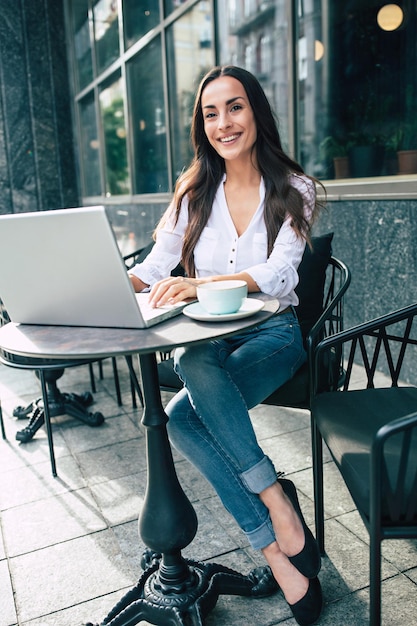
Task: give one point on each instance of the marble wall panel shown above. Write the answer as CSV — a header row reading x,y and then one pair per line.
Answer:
x,y
16,109
378,241
36,23
63,111
5,192
37,159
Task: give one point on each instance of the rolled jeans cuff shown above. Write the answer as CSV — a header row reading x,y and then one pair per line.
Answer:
x,y
259,476
262,536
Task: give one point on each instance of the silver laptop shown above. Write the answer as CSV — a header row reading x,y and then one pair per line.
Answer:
x,y
64,268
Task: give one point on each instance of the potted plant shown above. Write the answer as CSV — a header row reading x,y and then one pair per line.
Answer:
x,y
335,149
404,140
366,154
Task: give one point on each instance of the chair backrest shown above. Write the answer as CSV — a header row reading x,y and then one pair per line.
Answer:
x,y
140,255
327,302
312,280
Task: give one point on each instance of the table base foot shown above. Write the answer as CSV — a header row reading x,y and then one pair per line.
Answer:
x,y
64,403
153,601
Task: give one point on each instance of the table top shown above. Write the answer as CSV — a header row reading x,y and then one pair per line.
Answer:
x,y
74,342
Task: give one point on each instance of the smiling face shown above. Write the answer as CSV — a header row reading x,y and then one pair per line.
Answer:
x,y
229,122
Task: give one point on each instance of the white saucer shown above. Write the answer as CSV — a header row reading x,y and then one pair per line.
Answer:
x,y
249,307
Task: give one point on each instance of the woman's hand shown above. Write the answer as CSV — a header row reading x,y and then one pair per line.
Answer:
x,y
174,289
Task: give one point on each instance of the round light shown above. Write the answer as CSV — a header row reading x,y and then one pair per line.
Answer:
x,y
318,50
390,17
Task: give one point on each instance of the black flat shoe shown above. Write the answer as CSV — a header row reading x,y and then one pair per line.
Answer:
x,y
307,610
308,561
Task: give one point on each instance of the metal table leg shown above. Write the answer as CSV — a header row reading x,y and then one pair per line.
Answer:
x,y
173,590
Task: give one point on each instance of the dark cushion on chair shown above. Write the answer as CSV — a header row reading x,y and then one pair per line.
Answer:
x,y
349,420
312,274
168,379
293,393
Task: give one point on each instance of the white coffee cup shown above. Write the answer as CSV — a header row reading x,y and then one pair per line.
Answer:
x,y
223,296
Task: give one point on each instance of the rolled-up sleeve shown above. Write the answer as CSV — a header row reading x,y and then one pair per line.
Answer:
x,y
278,276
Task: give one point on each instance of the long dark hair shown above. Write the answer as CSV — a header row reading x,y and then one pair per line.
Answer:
x,y
201,180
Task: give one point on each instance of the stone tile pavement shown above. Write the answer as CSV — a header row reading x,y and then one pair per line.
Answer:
x,y
69,546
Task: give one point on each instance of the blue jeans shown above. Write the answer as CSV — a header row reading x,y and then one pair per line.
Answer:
x,y
209,420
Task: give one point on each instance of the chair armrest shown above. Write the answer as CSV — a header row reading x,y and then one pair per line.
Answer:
x,y
330,321
331,305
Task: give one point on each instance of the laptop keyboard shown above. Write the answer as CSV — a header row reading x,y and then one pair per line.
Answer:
x,y
149,312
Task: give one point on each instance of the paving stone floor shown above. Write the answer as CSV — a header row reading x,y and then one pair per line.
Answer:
x,y
69,546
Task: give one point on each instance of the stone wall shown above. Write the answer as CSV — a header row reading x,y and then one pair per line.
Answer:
x,y
378,241
37,165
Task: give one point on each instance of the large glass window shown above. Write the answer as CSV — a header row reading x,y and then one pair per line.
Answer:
x,y
114,135
341,77
171,54
358,88
149,130
190,55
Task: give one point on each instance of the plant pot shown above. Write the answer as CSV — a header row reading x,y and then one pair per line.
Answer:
x,y
407,161
366,160
341,167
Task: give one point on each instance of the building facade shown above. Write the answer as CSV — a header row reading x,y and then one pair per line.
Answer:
x,y
96,99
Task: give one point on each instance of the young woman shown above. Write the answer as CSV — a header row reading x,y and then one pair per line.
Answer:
x,y
242,210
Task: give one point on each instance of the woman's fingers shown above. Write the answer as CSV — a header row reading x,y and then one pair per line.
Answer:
x,y
171,290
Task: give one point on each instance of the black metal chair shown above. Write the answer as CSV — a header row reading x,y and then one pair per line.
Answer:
x,y
321,289
370,428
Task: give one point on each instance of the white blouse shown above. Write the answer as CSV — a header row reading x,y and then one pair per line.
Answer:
x,y
221,251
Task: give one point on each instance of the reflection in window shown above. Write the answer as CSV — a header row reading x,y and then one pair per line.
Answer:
x,y
190,54
114,131
106,32
82,44
171,5
265,66
370,115
149,131
89,148
139,17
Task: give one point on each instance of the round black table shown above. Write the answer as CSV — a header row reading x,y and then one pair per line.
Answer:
x,y
172,590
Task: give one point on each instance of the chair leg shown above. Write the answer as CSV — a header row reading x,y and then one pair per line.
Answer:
x,y
3,432
133,378
374,579
117,381
41,374
92,378
133,394
317,452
